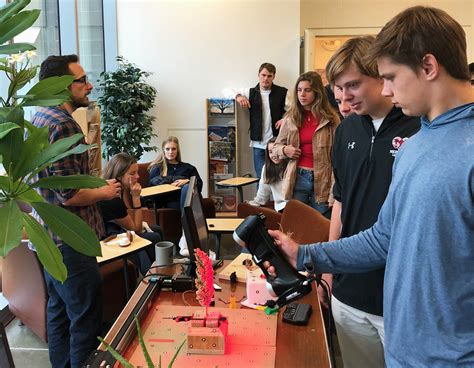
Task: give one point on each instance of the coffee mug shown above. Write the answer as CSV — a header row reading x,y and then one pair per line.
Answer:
x,y
164,253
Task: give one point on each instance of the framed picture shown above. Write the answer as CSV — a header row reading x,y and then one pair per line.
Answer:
x,y
221,106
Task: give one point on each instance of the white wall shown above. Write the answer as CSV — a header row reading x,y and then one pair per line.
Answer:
x,y
339,14
196,48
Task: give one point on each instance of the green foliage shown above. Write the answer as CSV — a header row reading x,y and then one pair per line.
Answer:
x,y
25,151
148,360
124,102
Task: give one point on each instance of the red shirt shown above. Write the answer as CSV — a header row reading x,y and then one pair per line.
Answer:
x,y
310,125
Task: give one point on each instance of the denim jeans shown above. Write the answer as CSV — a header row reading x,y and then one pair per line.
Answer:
x,y
258,161
304,190
74,311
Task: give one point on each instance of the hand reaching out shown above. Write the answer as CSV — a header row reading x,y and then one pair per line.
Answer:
x,y
288,247
111,190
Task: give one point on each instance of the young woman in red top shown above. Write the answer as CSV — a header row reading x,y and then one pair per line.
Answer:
x,y
306,138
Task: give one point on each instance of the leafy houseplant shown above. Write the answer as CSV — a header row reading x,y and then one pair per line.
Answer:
x,y
125,100
25,151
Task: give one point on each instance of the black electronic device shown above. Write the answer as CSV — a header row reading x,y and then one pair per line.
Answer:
x,y
289,284
194,225
297,313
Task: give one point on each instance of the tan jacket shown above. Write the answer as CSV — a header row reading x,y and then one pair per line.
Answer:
x,y
323,140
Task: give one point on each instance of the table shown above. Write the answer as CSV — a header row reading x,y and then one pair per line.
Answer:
x,y
219,226
238,182
113,252
296,346
157,190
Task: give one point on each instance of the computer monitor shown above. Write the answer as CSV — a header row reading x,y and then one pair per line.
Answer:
x,y
194,224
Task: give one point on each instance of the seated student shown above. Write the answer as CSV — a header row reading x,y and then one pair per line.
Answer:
x,y
271,180
169,169
125,212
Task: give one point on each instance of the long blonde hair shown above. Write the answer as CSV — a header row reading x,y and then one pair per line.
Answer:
x,y
160,160
320,107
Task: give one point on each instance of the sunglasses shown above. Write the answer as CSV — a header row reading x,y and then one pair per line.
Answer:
x,y
82,80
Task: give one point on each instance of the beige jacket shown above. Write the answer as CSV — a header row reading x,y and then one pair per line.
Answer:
x,y
323,140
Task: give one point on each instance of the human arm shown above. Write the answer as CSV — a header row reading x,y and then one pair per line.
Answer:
x,y
157,179
282,146
85,197
334,234
241,95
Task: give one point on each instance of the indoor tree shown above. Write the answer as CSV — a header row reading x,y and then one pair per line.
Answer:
x,y
25,151
125,99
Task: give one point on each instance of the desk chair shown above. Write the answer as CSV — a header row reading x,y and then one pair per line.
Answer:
x,y
24,287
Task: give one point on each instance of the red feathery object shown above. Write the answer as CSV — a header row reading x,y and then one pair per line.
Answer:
x,y
205,279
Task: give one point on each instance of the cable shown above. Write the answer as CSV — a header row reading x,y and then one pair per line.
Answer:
x,y
325,286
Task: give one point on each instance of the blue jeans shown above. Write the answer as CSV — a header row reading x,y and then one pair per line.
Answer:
x,y
258,161
175,202
74,311
304,190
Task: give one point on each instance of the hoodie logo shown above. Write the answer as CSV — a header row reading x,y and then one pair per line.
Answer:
x,y
398,141
396,144
351,145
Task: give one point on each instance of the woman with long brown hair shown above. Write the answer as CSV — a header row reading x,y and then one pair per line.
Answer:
x,y
306,138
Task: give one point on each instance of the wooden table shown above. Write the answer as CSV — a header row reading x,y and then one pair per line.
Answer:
x,y
158,190
296,346
114,251
238,182
219,226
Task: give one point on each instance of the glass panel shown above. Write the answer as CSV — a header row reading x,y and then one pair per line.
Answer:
x,y
91,39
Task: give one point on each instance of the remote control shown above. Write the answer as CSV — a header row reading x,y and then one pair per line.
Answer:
x,y
297,314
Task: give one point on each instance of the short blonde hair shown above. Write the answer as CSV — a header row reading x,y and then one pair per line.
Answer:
x,y
353,51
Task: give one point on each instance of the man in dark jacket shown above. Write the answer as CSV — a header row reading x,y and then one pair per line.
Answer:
x,y
266,103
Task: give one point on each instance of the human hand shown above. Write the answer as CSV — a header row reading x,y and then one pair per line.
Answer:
x,y
111,190
323,296
288,247
279,123
292,152
135,189
180,182
243,101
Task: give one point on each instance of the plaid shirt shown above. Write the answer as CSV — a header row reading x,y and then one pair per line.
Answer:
x,y
61,125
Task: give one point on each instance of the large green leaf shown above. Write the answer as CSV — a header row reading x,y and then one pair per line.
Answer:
x,y
51,86
11,9
6,128
11,145
70,182
47,250
36,141
48,100
30,196
46,156
16,48
17,24
10,227
69,227
4,183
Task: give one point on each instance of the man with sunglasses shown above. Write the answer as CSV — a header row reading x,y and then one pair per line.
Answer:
x,y
74,308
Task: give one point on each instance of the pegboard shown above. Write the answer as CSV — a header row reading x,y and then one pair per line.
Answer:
x,y
251,341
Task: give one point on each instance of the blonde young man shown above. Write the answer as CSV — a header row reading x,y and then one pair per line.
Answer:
x,y
425,230
365,147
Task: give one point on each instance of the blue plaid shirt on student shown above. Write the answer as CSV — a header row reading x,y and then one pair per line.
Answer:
x,y
61,125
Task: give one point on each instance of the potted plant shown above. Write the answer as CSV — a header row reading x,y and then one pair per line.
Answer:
x,y
125,99
25,150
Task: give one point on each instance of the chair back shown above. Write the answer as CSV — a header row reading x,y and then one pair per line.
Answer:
x,y
144,174
304,223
